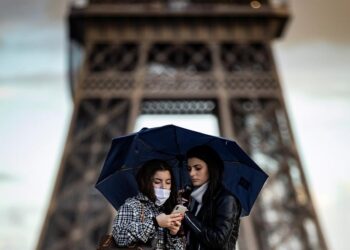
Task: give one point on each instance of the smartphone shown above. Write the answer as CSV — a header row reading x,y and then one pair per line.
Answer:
x,y
179,209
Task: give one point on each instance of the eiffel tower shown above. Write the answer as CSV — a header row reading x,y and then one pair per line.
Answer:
x,y
134,57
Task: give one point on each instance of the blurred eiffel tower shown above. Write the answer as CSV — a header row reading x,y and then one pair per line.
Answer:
x,y
132,57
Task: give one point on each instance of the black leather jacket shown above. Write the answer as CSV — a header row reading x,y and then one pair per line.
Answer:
x,y
216,229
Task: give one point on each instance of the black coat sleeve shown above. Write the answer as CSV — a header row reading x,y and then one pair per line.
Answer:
x,y
217,235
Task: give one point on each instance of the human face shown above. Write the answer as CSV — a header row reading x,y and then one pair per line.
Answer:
x,y
198,171
162,179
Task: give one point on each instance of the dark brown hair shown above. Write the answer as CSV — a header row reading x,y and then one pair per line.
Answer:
x,y
144,180
213,161
215,169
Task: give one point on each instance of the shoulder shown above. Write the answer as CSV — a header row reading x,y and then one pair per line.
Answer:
x,y
133,204
137,200
227,199
138,203
131,207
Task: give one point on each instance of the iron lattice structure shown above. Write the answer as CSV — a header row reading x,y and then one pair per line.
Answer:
x,y
179,57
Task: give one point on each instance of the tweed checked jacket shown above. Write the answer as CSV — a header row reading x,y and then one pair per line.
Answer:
x,y
129,229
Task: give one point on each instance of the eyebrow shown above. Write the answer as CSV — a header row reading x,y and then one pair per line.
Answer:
x,y
196,165
158,179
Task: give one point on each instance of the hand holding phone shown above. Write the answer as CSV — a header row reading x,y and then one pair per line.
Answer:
x,y
179,209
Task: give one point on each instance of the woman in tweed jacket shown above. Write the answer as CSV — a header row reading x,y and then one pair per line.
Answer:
x,y
147,217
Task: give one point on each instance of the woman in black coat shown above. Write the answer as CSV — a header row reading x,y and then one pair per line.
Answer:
x,y
212,221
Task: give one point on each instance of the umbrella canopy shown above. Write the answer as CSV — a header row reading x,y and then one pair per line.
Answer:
x,y
242,176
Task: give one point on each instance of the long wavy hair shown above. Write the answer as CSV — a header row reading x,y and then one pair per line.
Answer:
x,y
144,178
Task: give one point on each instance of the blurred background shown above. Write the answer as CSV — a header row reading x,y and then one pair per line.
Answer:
x,y
313,60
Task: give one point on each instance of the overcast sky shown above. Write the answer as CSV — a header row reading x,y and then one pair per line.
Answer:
x,y
35,110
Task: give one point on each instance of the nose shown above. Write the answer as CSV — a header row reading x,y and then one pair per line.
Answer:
x,y
191,173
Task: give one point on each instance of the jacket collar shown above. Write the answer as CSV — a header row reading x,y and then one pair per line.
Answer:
x,y
198,193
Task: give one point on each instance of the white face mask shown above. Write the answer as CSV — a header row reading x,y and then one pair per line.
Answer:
x,y
161,195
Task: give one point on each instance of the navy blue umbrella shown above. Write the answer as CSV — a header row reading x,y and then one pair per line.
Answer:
x,y
242,176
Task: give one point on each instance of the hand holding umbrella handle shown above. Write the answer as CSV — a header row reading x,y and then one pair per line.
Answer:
x,y
183,195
